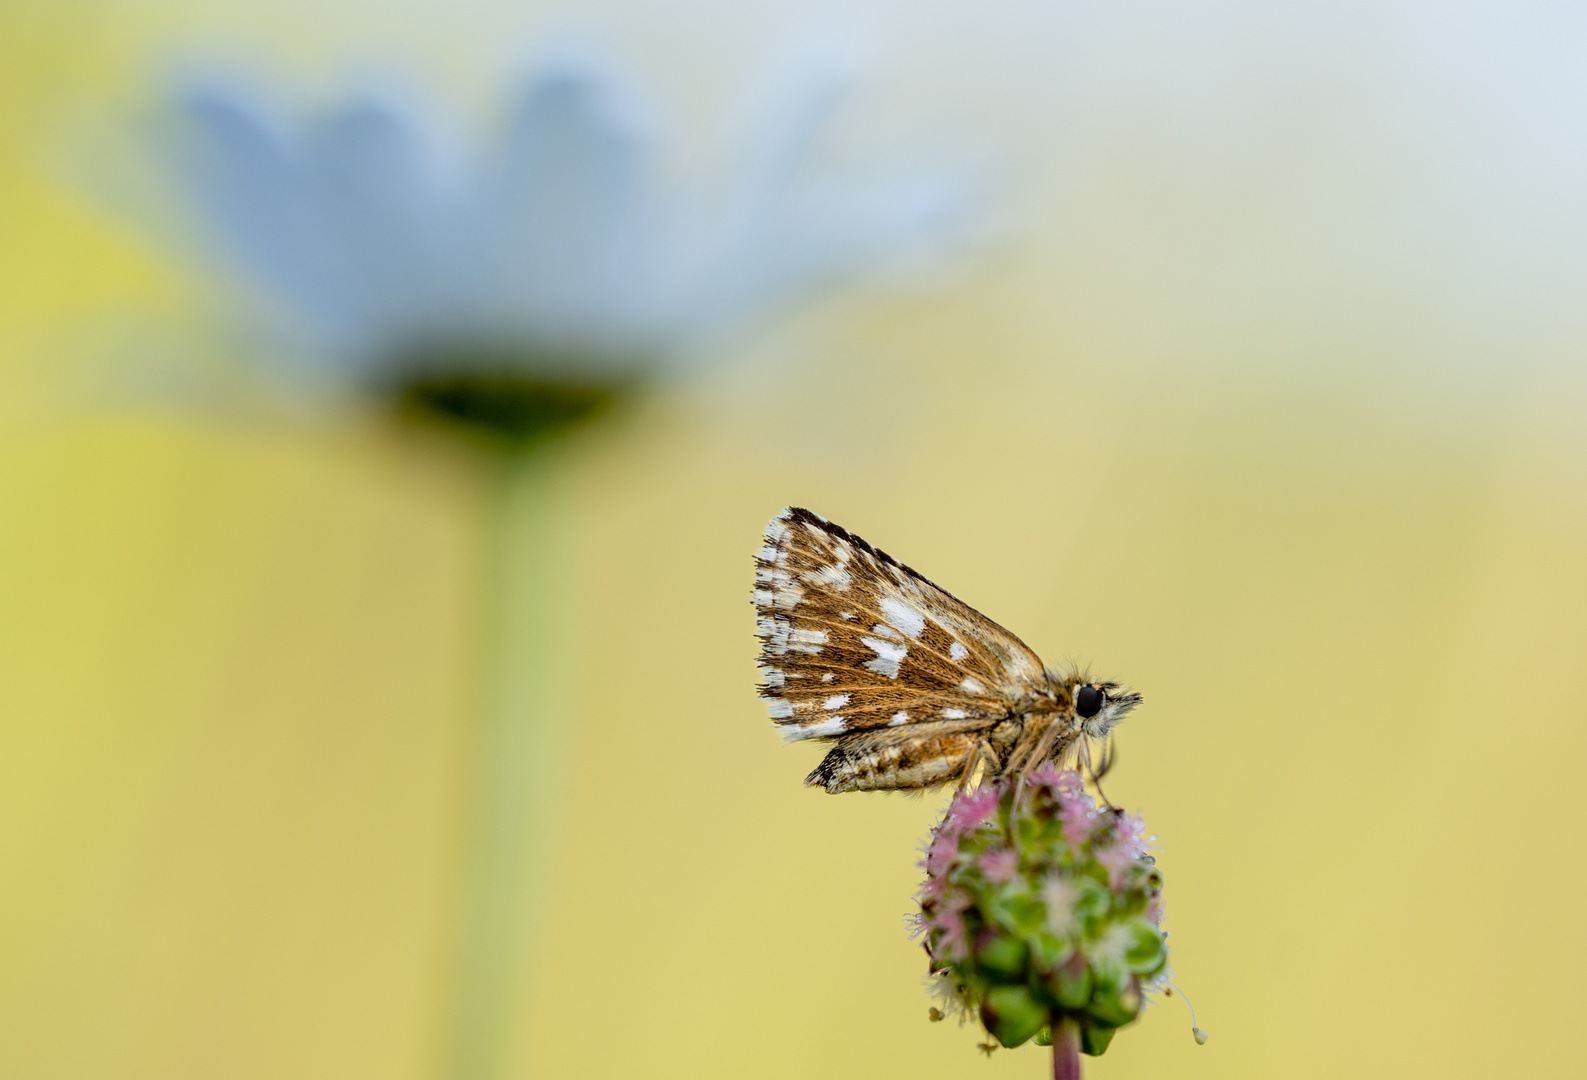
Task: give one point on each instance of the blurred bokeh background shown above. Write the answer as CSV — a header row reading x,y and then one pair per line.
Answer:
x,y
1263,391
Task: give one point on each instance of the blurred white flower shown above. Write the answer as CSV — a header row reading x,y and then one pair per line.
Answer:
x,y
555,251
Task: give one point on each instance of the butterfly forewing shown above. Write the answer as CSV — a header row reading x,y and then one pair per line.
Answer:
x,y
853,641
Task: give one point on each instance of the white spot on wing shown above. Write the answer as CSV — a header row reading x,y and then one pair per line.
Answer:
x,y
825,729
775,633
779,709
954,714
888,656
835,576
773,676
973,687
836,701
806,641
898,718
883,630
901,615
957,652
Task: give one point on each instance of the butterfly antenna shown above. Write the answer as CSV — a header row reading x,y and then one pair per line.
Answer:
x,y
1200,1036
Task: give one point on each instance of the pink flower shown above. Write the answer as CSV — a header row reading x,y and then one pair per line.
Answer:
x,y
1079,816
972,807
1117,858
1131,832
1125,849
944,849
1047,774
1000,865
954,944
931,890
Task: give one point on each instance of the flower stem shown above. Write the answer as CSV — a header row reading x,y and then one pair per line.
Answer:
x,y
514,761
1066,1051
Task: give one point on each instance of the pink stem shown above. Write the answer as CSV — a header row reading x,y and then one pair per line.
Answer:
x,y
1066,1051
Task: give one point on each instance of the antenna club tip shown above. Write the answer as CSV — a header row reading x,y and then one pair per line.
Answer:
x,y
1201,1036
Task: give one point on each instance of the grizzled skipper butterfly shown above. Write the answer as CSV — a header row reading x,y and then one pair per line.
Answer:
x,y
912,687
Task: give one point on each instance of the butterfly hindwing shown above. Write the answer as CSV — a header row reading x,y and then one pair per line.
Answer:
x,y
854,641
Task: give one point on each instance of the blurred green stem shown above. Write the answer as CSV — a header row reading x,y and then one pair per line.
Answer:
x,y
516,757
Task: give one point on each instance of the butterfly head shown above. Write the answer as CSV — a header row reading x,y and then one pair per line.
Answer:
x,y
1100,705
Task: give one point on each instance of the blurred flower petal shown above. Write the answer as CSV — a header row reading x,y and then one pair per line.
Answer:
x,y
379,204
258,203
556,246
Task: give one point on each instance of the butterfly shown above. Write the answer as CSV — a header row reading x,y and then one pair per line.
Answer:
x,y
913,687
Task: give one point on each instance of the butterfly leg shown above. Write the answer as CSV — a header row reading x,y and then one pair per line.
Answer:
x,y
1019,754
1108,758
1097,773
1033,747
983,755
1037,747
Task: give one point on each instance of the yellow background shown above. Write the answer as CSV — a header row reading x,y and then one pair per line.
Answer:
x,y
1337,544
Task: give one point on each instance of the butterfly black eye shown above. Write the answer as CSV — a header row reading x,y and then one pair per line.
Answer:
x,y
1088,702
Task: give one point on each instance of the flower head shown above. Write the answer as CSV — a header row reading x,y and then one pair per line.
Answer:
x,y
1046,917
528,279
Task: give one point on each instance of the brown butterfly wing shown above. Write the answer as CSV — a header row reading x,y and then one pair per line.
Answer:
x,y
853,641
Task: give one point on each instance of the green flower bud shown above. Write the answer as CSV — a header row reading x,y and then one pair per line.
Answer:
x,y
1147,954
1112,1006
1002,956
1012,1014
1094,1040
1070,985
